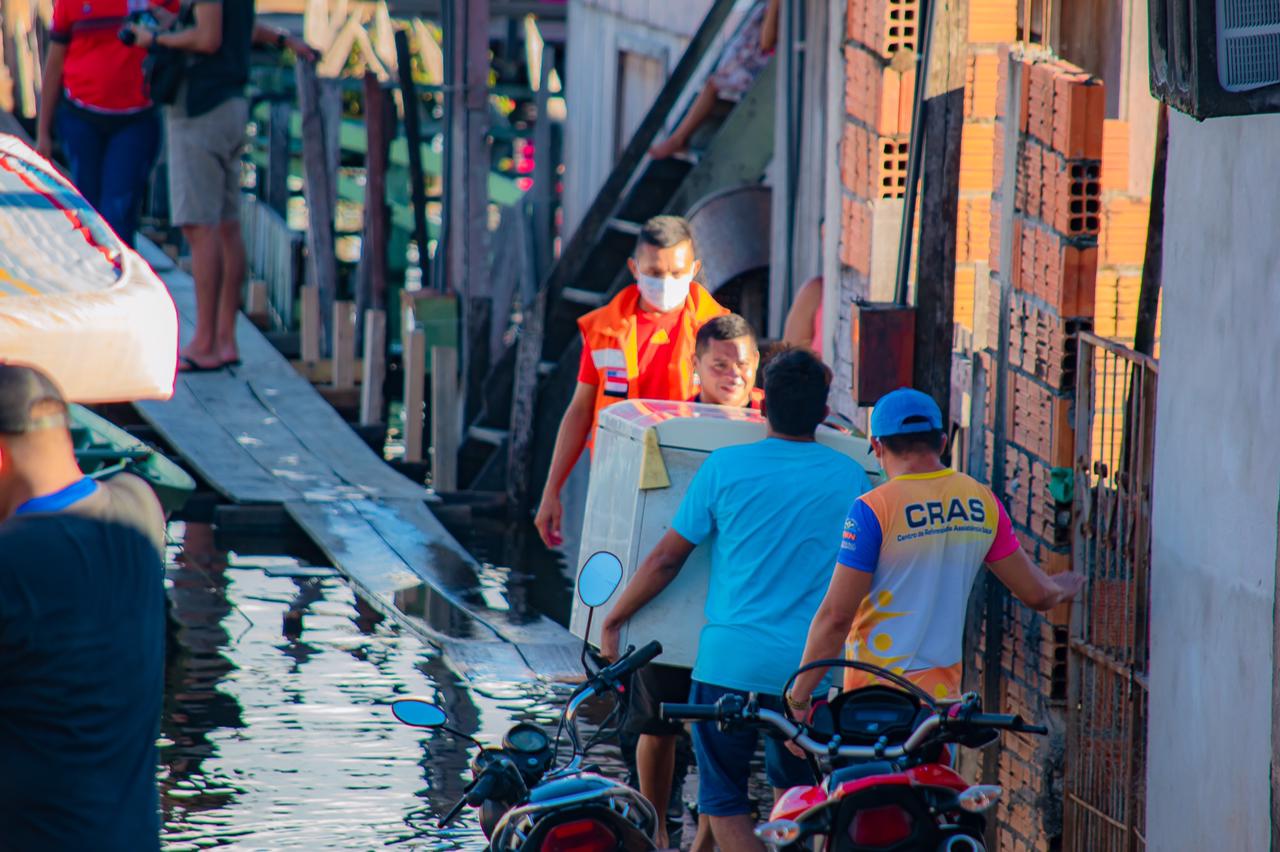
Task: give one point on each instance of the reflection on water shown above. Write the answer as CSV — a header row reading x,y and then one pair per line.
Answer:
x,y
276,730
538,581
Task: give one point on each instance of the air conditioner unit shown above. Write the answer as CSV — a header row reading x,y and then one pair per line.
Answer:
x,y
1216,57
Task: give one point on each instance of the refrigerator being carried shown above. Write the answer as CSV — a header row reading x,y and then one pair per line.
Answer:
x,y
646,455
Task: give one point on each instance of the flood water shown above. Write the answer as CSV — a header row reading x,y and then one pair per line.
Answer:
x,y
277,732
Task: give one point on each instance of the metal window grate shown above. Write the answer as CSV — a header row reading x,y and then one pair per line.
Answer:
x,y
1248,44
1240,14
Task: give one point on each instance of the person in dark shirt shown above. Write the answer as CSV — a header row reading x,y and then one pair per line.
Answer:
x,y
82,638
205,136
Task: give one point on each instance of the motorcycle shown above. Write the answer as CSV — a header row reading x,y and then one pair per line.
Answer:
x,y
889,786
525,803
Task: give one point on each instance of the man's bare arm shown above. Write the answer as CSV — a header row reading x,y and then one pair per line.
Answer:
x,y
268,36
655,573
1031,585
798,328
204,37
572,437
50,93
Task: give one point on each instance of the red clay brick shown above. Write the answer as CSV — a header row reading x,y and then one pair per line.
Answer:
x,y
886,27
1072,195
1040,107
879,97
977,157
1123,237
1071,114
855,235
981,89
992,21
1115,155
855,20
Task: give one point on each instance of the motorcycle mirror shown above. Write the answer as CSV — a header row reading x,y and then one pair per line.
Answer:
x,y
418,713
599,579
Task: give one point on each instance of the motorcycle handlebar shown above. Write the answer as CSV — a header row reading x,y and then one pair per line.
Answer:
x,y
1002,721
483,790
798,734
689,712
632,661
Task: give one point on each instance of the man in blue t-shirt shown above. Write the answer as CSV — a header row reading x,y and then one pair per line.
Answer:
x,y
767,511
81,638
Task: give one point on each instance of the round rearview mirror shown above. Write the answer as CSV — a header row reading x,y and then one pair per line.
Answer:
x,y
419,713
599,579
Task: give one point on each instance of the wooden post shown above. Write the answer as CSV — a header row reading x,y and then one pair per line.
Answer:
x,y
374,366
331,112
466,202
320,186
256,306
415,344
544,172
941,120
309,325
371,292
278,156
936,279
344,345
444,418
1144,336
525,379
413,135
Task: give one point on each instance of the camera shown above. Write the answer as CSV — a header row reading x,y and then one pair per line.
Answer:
x,y
126,34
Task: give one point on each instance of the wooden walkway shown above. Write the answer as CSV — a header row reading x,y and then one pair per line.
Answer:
x,y
260,434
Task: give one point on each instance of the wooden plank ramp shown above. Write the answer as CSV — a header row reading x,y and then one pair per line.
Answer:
x,y
259,433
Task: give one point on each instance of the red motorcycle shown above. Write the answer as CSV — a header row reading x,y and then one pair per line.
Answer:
x,y
889,786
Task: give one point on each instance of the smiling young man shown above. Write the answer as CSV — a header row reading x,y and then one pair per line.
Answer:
x,y
638,346
725,361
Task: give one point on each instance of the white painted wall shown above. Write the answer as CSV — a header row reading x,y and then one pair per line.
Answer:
x,y
598,31
1217,481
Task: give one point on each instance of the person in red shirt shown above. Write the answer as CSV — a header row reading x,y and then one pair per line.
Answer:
x,y
638,346
95,97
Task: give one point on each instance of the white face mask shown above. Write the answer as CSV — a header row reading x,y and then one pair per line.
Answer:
x,y
665,294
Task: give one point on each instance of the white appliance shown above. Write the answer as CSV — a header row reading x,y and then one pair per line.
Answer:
x,y
646,455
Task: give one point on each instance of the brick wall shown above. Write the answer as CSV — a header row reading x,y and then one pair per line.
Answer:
x,y
1078,237
1057,218
881,37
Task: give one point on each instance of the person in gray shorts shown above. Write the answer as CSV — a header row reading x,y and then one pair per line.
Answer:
x,y
205,128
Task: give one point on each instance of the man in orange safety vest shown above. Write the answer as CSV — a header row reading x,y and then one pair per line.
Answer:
x,y
638,346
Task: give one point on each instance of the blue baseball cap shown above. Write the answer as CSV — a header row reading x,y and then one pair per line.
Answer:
x,y
904,411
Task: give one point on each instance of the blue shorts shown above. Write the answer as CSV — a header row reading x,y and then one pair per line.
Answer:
x,y
724,759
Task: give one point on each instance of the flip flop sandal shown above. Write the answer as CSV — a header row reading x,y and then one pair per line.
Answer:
x,y
186,365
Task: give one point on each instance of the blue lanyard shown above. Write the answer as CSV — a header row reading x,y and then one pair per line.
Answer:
x,y
59,500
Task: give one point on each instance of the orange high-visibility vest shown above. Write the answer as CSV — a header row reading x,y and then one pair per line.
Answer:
x,y
609,333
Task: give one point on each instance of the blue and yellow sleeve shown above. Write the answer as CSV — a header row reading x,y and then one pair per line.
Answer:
x,y
860,541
